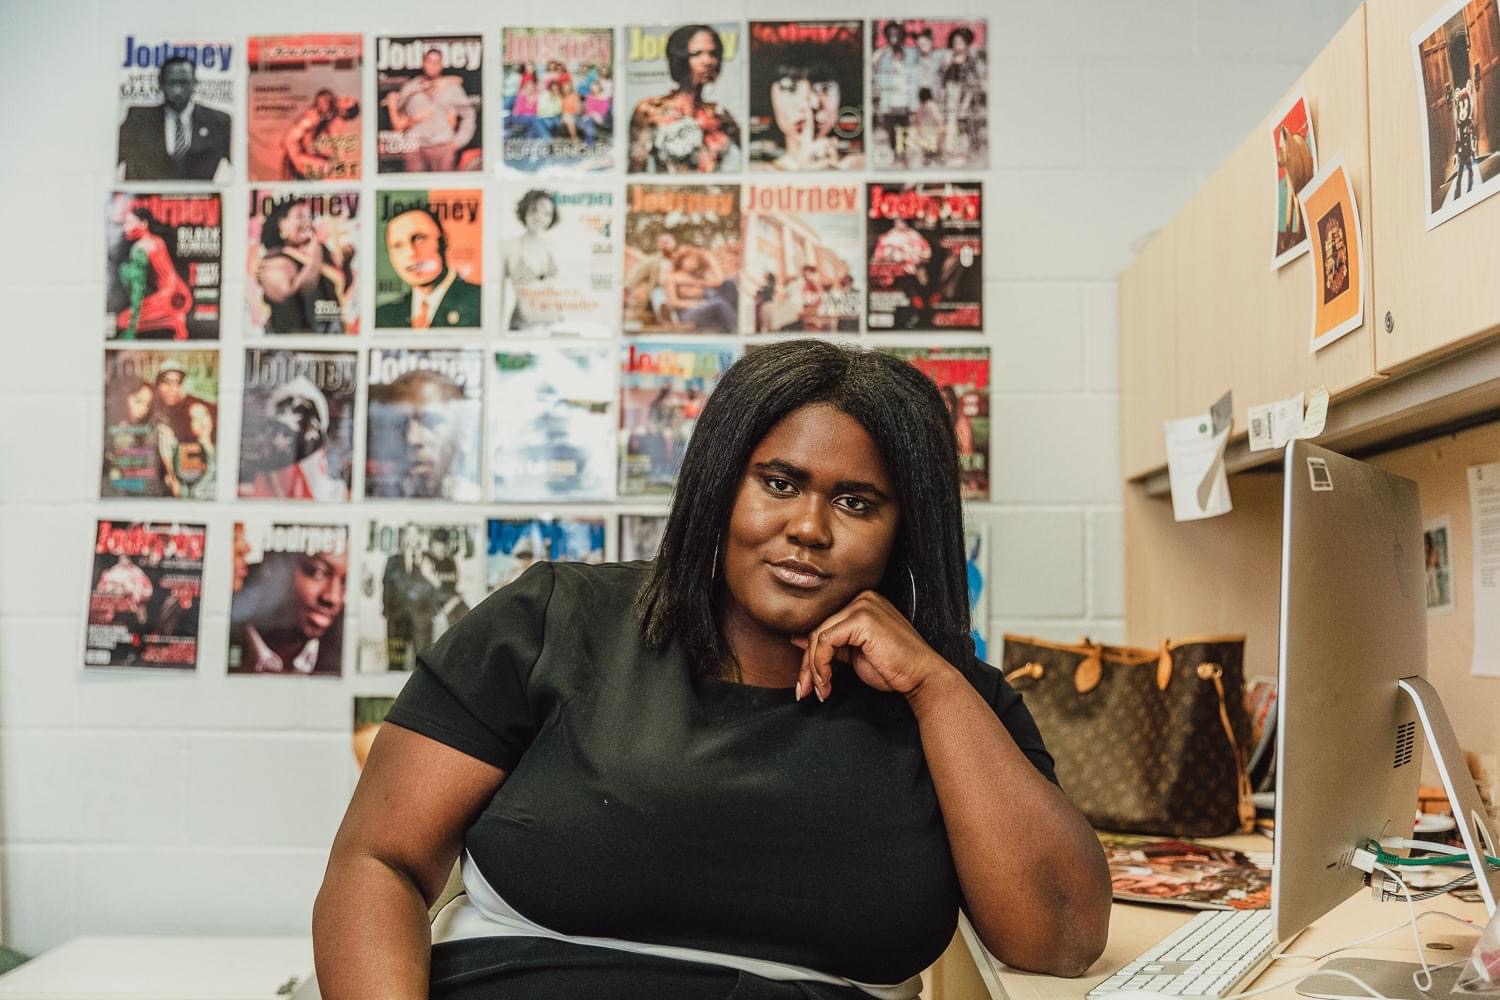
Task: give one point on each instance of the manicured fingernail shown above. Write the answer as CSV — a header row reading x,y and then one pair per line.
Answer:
x,y
820,695
799,689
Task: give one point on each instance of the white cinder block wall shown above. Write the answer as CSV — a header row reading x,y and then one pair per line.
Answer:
x,y
192,804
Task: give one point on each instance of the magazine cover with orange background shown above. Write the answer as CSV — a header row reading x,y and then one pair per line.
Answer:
x,y
304,121
1296,154
428,255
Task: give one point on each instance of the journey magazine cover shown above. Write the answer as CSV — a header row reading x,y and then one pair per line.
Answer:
x,y
161,419
551,436
417,579
925,243
164,255
145,594
297,425
289,590
663,387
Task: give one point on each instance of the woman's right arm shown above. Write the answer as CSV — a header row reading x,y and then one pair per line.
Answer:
x,y
390,860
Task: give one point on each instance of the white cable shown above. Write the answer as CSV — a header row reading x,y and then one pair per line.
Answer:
x,y
1287,956
1422,845
1411,908
1376,994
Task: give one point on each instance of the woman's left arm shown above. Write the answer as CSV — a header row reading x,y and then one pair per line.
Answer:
x,y
1033,876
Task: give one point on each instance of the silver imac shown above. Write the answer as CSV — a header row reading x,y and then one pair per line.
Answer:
x,y
1354,707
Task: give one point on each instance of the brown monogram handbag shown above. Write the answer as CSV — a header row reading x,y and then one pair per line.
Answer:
x,y
1146,741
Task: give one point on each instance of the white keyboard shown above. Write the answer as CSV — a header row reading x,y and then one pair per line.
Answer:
x,y
1209,956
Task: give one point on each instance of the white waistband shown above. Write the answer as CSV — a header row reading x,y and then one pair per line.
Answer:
x,y
484,913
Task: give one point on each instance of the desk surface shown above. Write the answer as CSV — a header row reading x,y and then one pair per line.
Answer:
x,y
162,968
1134,927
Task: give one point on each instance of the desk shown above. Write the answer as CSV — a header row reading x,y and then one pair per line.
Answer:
x,y
967,972
161,968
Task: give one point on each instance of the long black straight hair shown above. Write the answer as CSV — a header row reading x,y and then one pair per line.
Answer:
x,y
904,414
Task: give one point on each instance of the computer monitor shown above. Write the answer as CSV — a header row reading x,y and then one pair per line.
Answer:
x,y
1354,707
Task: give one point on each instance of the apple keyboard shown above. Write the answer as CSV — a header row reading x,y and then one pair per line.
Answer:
x,y
1209,956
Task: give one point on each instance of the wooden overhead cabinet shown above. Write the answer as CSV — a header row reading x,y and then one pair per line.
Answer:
x,y
1437,290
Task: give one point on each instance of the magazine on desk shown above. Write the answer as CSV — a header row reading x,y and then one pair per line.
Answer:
x,y
1186,873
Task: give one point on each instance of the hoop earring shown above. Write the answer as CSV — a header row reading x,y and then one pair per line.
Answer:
x,y
913,578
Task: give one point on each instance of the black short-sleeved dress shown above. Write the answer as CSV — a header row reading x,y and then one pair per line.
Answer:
x,y
646,803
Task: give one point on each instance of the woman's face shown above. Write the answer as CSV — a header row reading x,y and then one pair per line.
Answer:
x,y
812,525
138,405
703,58
201,422
539,215
792,106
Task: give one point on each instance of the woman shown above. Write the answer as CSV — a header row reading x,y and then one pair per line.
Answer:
x,y
682,132
803,104
528,265
964,82
159,298
650,803
132,461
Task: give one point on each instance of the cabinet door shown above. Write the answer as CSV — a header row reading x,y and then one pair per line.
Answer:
x,y
1148,354
1438,286
1249,327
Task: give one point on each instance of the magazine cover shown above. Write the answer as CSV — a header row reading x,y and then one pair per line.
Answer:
x,y
1296,161
297,425
1185,873
807,95
304,122
161,418
682,258
415,581
929,90
163,255
369,712
1455,57
428,259
962,375
286,610
516,544
429,88
425,412
802,251
300,268
924,243
559,98
977,556
551,436
662,390
144,595
640,535
685,88
557,259
176,110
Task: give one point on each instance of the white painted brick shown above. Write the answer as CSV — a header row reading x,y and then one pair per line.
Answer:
x,y
252,791
1037,332
1101,336
1286,30
1177,113
1106,543
1135,29
80,143
38,897
38,684
43,559
1036,113
1036,564
132,787
40,778
63,331
1076,225
33,473
175,891
1055,449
